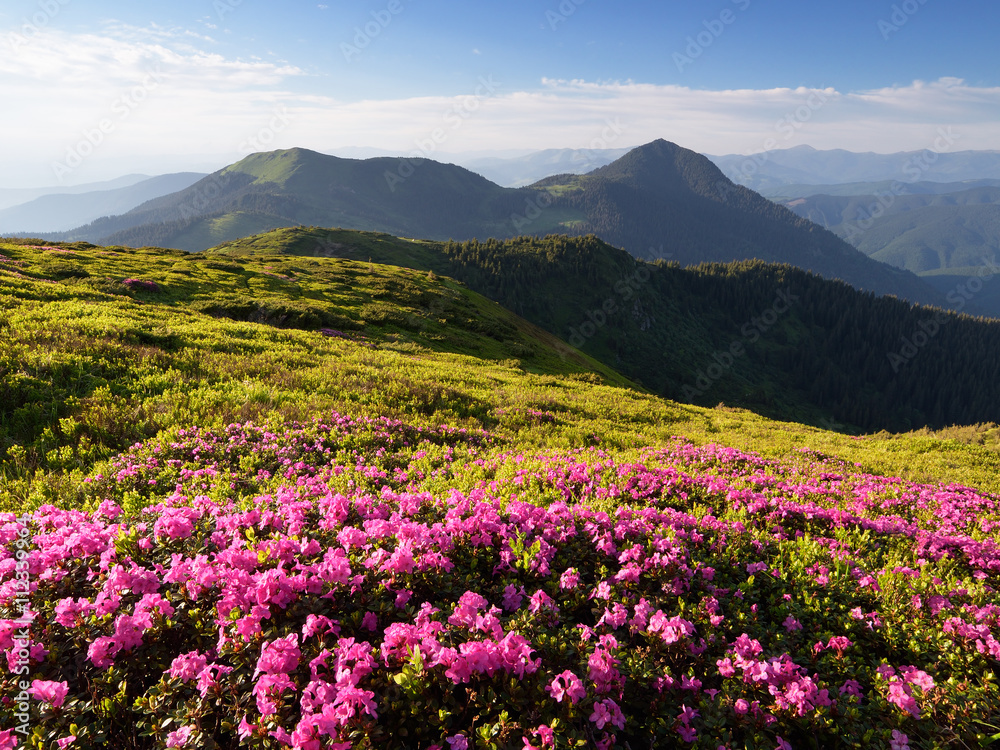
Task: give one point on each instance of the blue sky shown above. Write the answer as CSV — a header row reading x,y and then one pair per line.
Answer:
x,y
103,88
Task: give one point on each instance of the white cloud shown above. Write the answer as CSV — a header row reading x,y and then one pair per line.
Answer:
x,y
205,106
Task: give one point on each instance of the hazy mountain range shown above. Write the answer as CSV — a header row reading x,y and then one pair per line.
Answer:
x,y
804,165
60,212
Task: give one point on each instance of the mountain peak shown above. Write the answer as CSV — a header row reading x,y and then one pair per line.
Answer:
x,y
664,167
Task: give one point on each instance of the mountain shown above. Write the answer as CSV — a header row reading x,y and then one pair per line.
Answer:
x,y
947,236
806,165
784,193
61,212
922,232
414,197
664,201
771,338
16,196
658,200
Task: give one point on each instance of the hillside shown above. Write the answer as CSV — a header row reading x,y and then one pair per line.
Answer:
x,y
242,525
658,200
663,201
412,197
809,350
923,232
949,234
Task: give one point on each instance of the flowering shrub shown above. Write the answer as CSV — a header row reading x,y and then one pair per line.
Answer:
x,y
367,584
138,285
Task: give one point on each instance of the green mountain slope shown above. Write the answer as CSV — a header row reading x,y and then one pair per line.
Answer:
x,y
94,358
415,197
933,232
658,200
661,200
772,338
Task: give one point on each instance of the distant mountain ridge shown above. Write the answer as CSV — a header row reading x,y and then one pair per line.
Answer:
x,y
658,200
62,212
940,162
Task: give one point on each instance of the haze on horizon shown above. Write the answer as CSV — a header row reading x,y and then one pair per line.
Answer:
x,y
100,89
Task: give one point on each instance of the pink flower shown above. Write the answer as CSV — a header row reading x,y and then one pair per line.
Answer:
x,y
917,677
899,741
8,740
280,656
688,734
66,741
900,695
726,667
601,715
512,597
782,745
458,742
569,685
791,624
741,706
101,652
687,714
180,737
187,666
174,523
548,736
49,691
851,687
839,643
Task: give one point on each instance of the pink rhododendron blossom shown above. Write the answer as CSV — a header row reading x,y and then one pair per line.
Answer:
x,y
187,666
49,691
791,624
899,741
101,652
180,737
280,656
568,685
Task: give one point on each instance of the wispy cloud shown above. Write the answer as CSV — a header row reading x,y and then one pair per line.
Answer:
x,y
209,103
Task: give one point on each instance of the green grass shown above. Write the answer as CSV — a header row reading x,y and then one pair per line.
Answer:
x,y
89,366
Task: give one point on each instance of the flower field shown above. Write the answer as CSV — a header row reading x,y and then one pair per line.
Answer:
x,y
369,583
